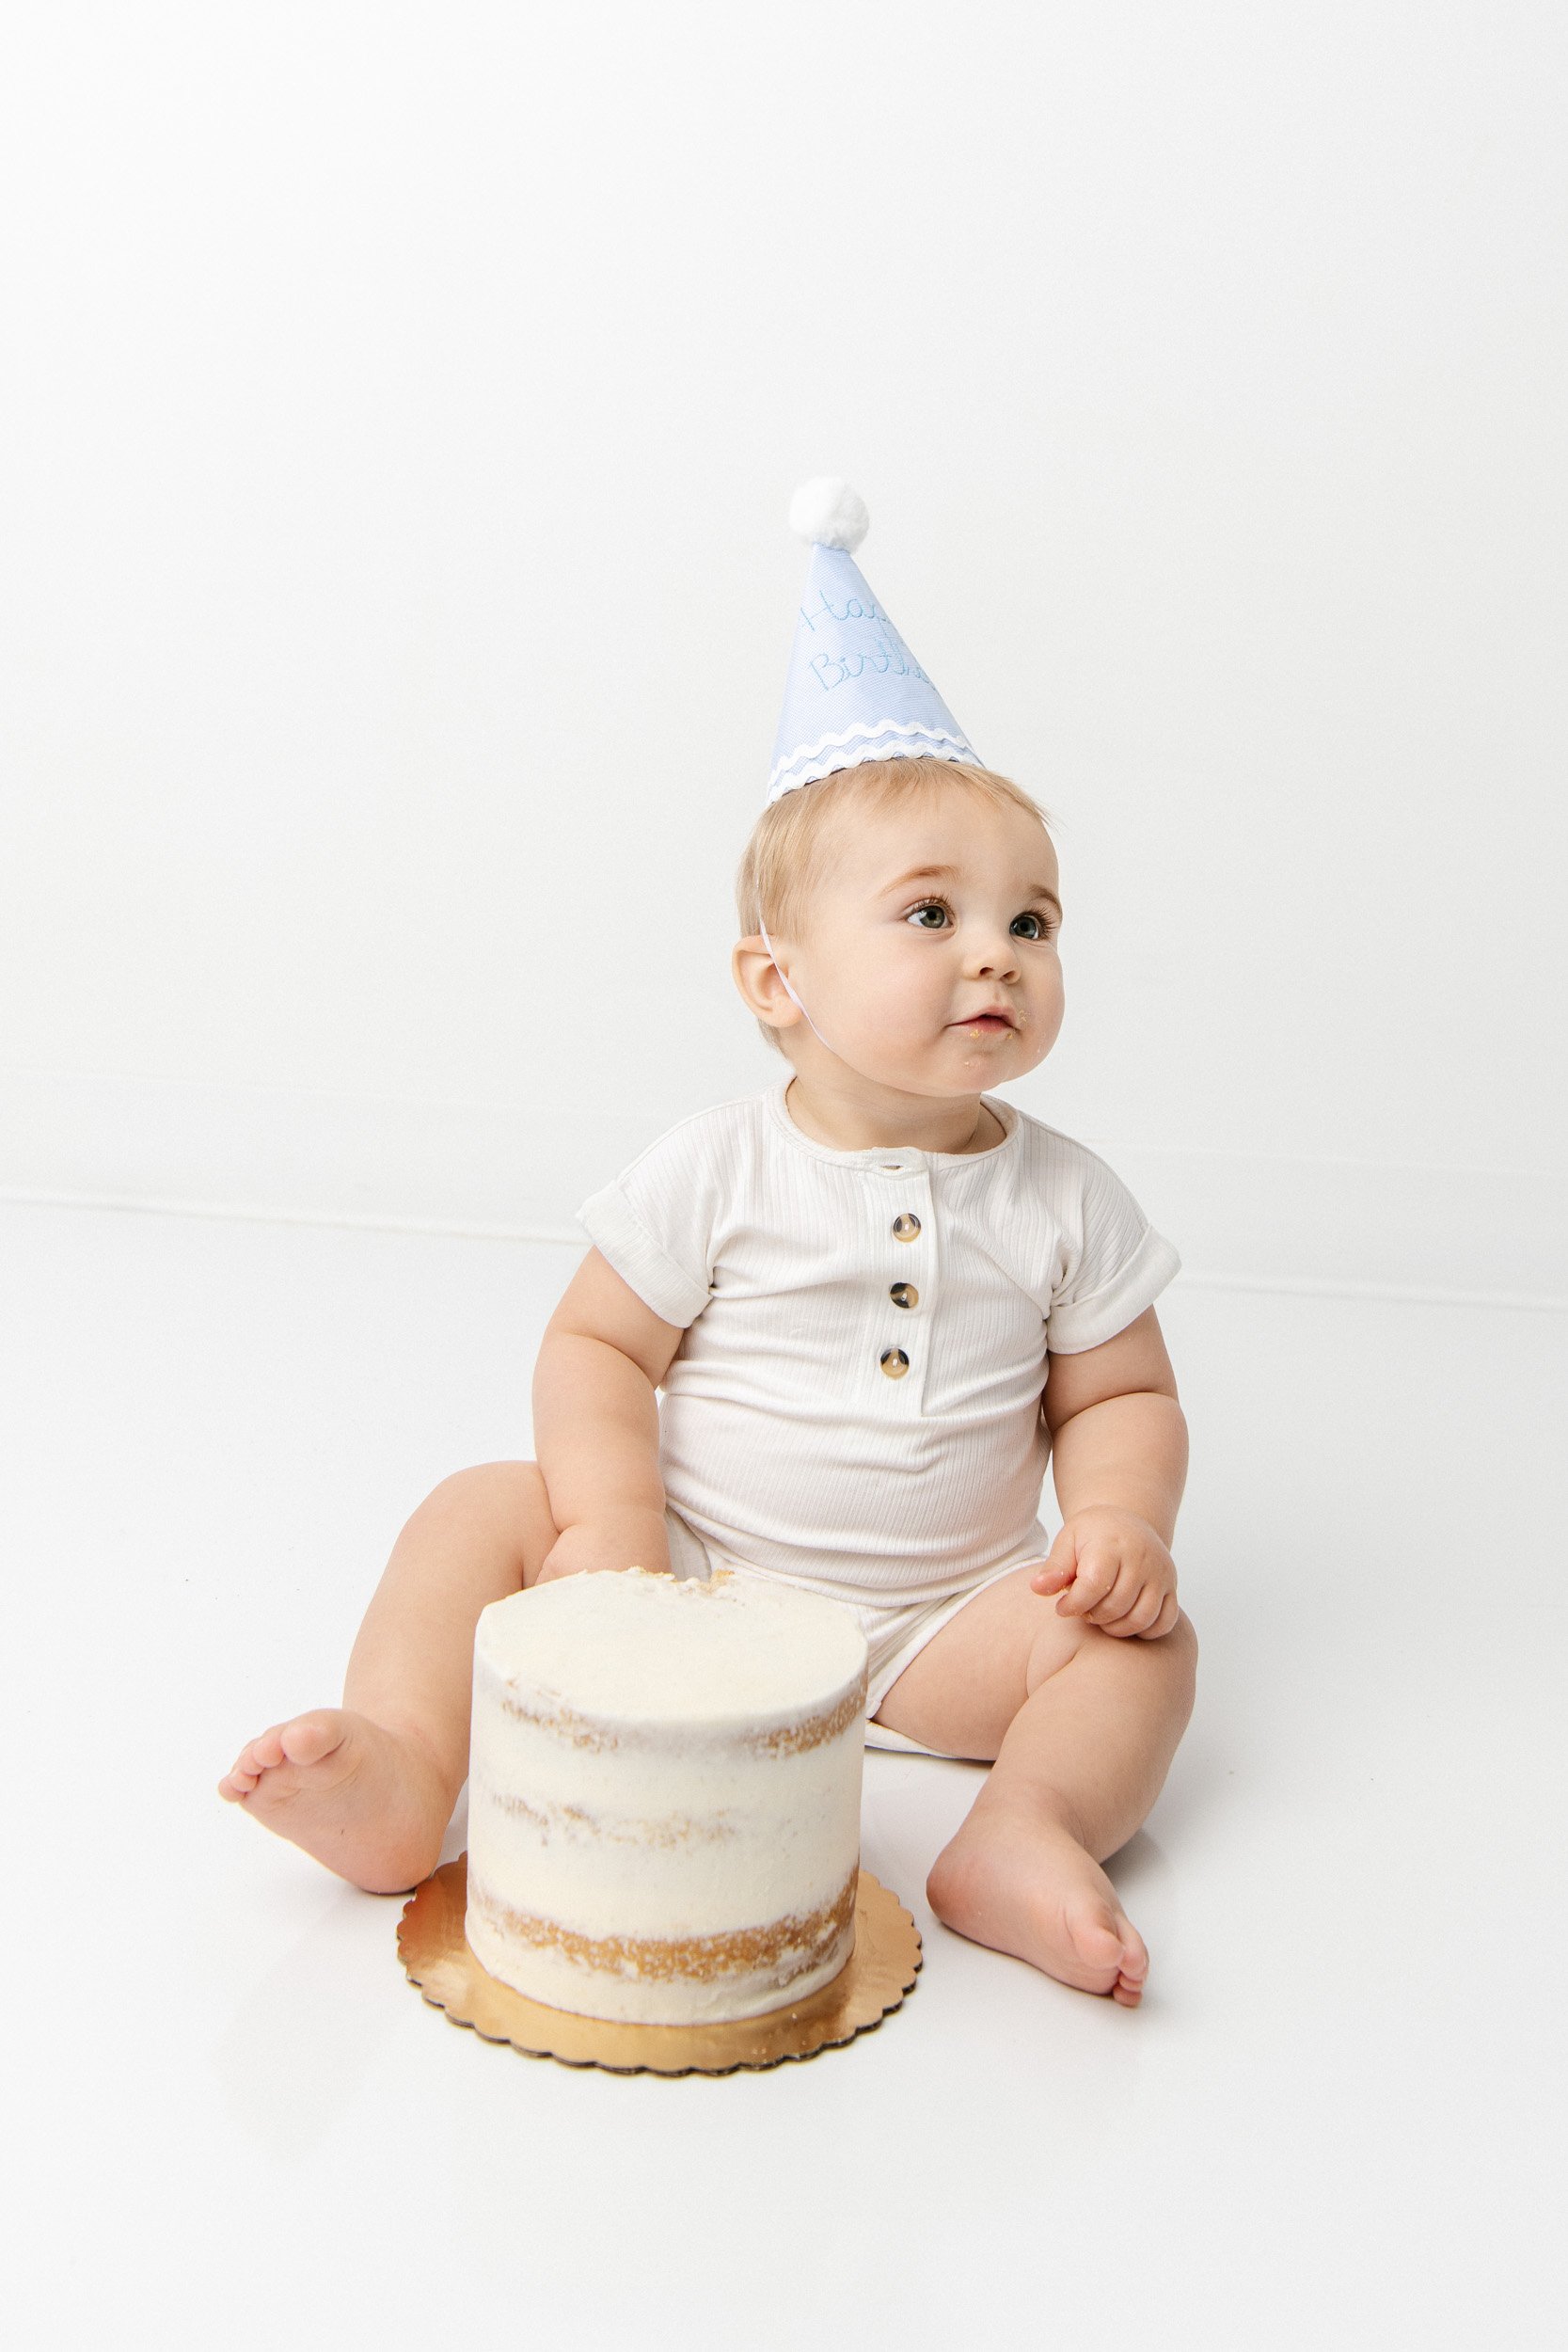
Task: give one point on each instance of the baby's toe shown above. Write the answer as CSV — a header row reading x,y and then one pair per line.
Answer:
x,y
1134,1968
256,1757
261,1755
1111,1951
1098,1937
309,1737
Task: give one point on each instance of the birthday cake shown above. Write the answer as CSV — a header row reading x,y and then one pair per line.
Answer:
x,y
664,1794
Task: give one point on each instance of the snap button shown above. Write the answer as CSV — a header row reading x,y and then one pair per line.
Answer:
x,y
904,1295
905,1228
894,1362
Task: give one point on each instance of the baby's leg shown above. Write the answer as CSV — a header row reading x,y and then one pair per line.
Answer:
x,y
1083,1728
369,1787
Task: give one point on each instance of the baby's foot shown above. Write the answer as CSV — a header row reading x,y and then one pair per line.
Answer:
x,y
1022,1884
369,1803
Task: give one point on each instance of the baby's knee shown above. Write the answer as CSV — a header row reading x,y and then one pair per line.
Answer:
x,y
506,1500
1178,1653
1059,1642
488,1482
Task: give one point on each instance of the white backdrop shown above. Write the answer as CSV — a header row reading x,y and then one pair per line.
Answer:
x,y
401,408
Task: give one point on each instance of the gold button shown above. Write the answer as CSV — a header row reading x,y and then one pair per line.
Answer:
x,y
894,1362
905,1228
904,1295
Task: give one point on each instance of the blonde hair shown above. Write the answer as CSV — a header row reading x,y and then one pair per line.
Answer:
x,y
790,848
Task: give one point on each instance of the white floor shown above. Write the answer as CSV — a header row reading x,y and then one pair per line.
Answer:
x,y
1336,2121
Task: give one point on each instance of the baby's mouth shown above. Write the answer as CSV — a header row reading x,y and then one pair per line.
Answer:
x,y
989,1022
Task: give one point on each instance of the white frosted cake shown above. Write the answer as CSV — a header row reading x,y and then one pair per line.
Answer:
x,y
664,1794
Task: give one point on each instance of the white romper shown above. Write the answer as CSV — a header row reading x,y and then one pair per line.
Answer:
x,y
855,1406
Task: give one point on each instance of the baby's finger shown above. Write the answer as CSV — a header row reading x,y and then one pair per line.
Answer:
x,y
1098,1565
1059,1566
1170,1610
1144,1612
1120,1600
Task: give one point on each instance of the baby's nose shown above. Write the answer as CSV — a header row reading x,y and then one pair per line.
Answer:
x,y
993,963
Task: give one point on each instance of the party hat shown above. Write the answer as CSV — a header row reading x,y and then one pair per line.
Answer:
x,y
854,690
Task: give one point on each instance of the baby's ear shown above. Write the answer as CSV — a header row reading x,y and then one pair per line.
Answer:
x,y
761,984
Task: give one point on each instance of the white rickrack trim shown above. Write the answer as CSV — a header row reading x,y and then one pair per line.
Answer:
x,y
946,746
829,766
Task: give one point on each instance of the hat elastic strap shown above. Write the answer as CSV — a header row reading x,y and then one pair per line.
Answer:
x,y
789,991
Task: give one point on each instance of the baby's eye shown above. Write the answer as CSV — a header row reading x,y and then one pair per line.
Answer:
x,y
1044,927
927,906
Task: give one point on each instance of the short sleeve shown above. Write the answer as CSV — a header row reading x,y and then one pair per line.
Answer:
x,y
655,1222
1113,1265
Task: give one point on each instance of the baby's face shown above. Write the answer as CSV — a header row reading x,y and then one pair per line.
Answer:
x,y
930,958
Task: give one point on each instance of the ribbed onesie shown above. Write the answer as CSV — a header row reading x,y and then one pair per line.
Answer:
x,y
855,1406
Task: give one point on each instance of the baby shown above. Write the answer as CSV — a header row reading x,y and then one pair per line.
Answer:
x,y
878,1299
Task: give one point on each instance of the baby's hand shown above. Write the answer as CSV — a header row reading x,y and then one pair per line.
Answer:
x,y
1112,1567
628,1538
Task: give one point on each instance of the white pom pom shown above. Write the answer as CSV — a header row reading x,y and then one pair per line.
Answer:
x,y
829,513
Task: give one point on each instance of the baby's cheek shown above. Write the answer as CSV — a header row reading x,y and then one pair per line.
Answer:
x,y
893,1021
918,1006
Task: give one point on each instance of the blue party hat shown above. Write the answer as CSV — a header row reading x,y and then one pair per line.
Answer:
x,y
854,691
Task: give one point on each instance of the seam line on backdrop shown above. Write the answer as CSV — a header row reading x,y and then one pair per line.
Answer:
x,y
1126,1147
432,1228
223,1211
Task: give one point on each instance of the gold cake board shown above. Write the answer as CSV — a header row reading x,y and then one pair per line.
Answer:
x,y
878,1973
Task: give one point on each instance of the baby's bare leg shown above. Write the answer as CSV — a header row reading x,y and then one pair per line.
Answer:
x,y
369,1787
1083,1728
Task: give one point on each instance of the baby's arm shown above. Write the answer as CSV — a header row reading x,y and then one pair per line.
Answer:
x,y
595,1424
1119,1457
